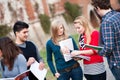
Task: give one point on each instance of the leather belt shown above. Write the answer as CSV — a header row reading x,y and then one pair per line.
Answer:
x,y
69,68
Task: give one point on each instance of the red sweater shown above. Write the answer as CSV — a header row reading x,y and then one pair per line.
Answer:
x,y
94,58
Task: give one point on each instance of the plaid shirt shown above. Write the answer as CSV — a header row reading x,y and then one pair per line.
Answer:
x,y
110,38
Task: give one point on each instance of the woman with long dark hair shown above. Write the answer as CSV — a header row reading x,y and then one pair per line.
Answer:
x,y
12,61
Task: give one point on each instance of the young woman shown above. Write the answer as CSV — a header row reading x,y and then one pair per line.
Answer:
x,y
12,61
62,70
94,68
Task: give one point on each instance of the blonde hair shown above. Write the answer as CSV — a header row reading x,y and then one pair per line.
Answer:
x,y
54,32
86,24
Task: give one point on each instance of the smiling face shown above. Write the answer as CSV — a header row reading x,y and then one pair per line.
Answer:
x,y
22,35
79,28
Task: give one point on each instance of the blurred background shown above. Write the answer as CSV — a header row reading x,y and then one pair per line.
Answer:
x,y
39,14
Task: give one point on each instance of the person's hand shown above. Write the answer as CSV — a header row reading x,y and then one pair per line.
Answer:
x,y
57,75
30,61
74,53
65,50
41,65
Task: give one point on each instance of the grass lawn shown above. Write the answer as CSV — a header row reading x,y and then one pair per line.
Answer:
x,y
49,75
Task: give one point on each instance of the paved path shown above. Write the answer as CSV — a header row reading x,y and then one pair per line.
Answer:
x,y
109,74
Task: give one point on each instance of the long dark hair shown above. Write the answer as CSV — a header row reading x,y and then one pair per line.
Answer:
x,y
9,51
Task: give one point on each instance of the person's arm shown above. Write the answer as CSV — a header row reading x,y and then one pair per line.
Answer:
x,y
49,57
85,52
39,58
38,55
89,51
22,64
108,39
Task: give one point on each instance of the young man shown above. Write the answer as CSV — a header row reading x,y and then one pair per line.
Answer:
x,y
29,49
109,34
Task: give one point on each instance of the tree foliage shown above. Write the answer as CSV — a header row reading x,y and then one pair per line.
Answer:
x,y
45,22
73,10
52,9
4,30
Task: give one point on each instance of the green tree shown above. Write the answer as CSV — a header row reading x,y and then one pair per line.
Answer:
x,y
45,22
73,10
4,30
52,9
37,7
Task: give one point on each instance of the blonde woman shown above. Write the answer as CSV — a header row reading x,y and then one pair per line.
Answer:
x,y
93,69
62,70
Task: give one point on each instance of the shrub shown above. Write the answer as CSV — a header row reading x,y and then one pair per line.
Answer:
x,y
73,10
67,18
45,22
4,30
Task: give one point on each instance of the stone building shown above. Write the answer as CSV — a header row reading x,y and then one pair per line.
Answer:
x,y
29,10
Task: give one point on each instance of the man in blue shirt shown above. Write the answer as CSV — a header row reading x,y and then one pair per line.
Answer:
x,y
109,34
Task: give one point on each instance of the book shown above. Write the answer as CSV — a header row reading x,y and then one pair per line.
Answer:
x,y
68,57
82,57
94,47
69,44
40,74
34,68
19,76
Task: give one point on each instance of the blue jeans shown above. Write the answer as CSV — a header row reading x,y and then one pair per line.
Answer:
x,y
74,74
116,72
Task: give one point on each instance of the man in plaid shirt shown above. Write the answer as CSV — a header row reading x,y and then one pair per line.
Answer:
x,y
109,34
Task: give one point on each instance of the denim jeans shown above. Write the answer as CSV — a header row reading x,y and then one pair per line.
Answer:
x,y
116,72
74,74
101,76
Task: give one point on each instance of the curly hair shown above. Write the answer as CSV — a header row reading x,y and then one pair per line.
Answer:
x,y
102,4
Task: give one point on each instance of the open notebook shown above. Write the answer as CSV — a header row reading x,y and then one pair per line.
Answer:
x,y
69,44
19,76
34,68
